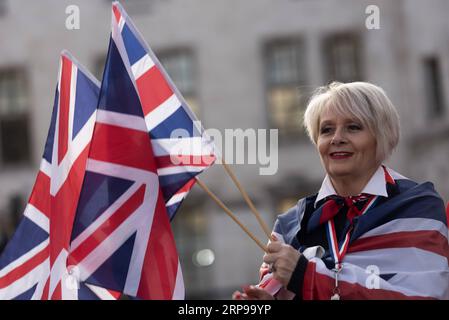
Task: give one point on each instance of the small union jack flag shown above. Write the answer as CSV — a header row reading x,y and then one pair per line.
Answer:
x,y
41,241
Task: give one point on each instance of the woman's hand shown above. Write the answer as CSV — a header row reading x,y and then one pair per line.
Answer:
x,y
252,293
283,259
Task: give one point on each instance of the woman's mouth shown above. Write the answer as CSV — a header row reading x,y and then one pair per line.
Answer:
x,y
340,155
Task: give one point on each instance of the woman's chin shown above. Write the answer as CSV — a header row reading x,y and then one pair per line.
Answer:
x,y
340,171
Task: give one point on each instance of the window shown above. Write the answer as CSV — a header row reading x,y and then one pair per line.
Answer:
x,y
14,120
433,86
190,228
180,66
342,57
286,77
10,221
2,8
4,235
16,208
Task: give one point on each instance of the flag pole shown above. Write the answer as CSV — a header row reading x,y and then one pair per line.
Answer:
x,y
247,199
230,214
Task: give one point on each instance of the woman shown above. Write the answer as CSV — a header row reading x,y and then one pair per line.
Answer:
x,y
369,233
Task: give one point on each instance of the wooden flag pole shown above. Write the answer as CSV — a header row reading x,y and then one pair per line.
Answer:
x,y
230,214
247,199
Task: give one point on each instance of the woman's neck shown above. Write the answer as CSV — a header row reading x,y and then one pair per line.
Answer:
x,y
351,185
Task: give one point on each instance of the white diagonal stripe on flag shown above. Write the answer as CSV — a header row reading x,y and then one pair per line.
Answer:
x,y
27,256
38,217
143,65
162,112
60,172
176,198
104,216
25,282
120,171
407,225
102,293
145,223
45,167
57,271
140,221
121,120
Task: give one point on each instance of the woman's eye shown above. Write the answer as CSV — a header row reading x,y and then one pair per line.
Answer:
x,y
325,130
355,127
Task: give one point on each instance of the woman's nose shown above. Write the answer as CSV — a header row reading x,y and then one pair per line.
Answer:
x,y
338,137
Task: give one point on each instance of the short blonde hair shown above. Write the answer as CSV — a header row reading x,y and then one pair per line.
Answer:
x,y
366,102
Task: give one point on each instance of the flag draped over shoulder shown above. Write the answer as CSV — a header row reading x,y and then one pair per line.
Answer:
x,y
32,265
181,147
398,250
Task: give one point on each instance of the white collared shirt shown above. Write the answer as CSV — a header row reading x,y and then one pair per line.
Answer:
x,y
376,186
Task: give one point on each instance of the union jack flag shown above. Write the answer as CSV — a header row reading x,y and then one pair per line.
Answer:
x,y
399,248
181,147
40,242
122,238
117,164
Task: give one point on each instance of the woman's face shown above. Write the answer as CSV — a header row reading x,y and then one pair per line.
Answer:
x,y
347,148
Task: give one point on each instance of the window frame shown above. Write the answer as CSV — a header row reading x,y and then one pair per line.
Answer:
x,y
434,93
3,8
287,133
194,92
329,65
24,114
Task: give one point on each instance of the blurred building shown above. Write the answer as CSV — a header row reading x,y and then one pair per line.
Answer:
x,y
240,64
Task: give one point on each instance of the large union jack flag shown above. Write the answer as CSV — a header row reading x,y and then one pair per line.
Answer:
x,y
135,180
40,243
181,147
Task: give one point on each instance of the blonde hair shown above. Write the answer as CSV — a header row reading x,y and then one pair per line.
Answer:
x,y
366,102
